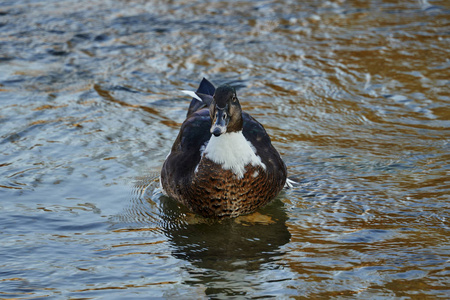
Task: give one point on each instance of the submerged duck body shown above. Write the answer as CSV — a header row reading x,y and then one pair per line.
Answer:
x,y
222,164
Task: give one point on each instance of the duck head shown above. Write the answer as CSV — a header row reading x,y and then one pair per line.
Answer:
x,y
225,111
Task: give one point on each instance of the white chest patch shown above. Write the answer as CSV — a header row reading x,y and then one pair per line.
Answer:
x,y
233,152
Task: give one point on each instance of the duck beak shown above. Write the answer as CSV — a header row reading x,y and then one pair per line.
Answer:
x,y
220,122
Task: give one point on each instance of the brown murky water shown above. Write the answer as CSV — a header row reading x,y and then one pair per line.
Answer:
x,y
355,95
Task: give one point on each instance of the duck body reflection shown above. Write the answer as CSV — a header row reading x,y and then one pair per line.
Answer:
x,y
226,250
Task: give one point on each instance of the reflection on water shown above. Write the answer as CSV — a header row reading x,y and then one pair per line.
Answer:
x,y
353,93
229,251
222,256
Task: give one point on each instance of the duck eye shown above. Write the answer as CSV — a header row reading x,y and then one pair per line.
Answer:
x,y
224,116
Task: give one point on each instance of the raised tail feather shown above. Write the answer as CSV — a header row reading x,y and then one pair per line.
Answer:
x,y
205,92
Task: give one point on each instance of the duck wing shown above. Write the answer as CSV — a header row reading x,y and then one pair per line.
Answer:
x,y
185,154
255,133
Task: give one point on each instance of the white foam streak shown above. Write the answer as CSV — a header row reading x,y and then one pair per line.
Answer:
x,y
290,183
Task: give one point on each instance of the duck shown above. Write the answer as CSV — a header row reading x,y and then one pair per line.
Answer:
x,y
222,163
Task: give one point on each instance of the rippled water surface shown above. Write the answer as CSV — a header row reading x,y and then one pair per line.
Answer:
x,y
355,95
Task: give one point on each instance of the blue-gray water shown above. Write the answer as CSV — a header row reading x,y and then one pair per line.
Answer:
x,y
355,95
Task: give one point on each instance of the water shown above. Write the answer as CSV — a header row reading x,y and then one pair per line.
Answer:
x,y
354,94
